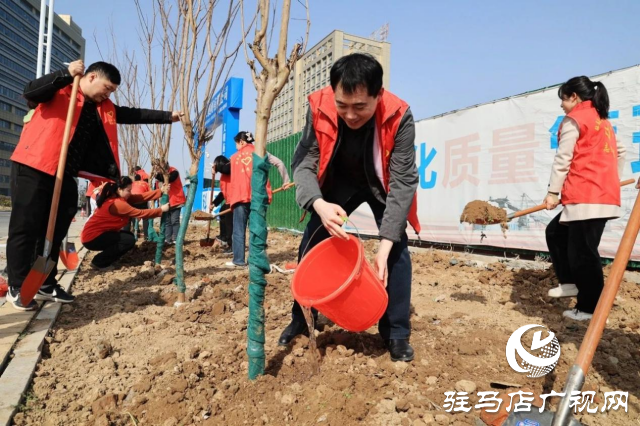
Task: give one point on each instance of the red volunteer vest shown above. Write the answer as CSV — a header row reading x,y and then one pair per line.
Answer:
x,y
139,187
225,182
389,113
102,221
593,176
41,138
241,172
176,192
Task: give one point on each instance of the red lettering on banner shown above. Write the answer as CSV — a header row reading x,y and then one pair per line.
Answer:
x,y
513,152
461,161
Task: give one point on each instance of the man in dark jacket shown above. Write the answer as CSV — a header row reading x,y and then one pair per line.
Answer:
x,y
93,154
358,147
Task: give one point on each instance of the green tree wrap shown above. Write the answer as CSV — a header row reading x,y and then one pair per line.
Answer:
x,y
258,266
159,238
191,195
136,222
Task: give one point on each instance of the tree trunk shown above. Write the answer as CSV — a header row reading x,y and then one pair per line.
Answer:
x,y
184,225
258,265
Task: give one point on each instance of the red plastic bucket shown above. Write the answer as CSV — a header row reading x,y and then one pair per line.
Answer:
x,y
336,279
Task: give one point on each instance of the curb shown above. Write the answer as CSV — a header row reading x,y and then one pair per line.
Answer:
x,y
27,351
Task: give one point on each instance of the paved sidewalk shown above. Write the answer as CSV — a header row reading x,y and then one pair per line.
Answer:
x,y
22,333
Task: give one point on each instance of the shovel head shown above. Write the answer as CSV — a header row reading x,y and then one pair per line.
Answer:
x,y
535,418
69,256
207,242
34,280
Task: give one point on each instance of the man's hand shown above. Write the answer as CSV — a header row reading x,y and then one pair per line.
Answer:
x,y
76,68
551,201
164,208
165,188
332,216
380,263
176,116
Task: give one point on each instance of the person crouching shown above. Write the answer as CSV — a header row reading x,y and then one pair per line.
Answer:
x,y
103,232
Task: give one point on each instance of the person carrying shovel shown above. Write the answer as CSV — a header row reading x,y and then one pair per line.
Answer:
x,y
92,154
358,147
586,171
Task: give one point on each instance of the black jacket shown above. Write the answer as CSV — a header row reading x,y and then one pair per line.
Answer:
x,y
99,159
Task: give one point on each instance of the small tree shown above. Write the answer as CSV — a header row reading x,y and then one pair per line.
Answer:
x,y
131,93
199,60
268,82
162,93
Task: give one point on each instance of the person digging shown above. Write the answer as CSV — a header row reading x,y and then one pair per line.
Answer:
x,y
93,154
358,147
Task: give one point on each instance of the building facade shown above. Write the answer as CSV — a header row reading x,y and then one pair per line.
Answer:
x,y
288,114
19,25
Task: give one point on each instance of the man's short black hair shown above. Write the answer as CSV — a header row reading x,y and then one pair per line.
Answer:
x,y
106,70
137,177
357,70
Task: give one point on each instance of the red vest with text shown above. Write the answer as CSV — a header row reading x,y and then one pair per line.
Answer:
x,y
176,192
41,138
593,175
389,113
241,172
102,221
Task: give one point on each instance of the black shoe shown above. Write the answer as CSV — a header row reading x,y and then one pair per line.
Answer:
x,y
13,296
400,350
54,293
295,328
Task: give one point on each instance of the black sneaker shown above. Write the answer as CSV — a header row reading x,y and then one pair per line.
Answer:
x,y
54,293
13,296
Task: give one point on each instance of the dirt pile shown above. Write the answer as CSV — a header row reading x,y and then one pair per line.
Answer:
x,y
121,354
201,215
482,213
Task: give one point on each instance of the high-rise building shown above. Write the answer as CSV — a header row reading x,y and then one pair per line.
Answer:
x,y
288,114
19,25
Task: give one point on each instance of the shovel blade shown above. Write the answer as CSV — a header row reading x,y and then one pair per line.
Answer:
x,y
69,256
535,418
207,242
34,280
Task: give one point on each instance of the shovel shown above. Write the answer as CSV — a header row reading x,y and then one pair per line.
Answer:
x,y
43,264
577,373
532,209
69,255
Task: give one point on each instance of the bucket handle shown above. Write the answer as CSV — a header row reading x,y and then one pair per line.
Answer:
x,y
345,220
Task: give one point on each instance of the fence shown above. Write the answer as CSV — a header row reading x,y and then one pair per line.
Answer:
x,y
284,212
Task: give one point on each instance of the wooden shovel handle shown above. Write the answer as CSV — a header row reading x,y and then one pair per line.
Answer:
x,y
284,187
543,206
62,162
599,319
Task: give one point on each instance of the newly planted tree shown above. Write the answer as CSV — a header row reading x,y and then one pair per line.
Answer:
x,y
269,76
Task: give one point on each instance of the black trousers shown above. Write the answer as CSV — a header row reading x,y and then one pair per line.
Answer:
x,y
31,194
88,204
395,323
112,244
573,247
226,225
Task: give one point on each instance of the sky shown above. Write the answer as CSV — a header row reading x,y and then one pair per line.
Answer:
x,y
444,55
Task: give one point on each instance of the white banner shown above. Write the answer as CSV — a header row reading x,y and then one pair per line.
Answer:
x,y
502,152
